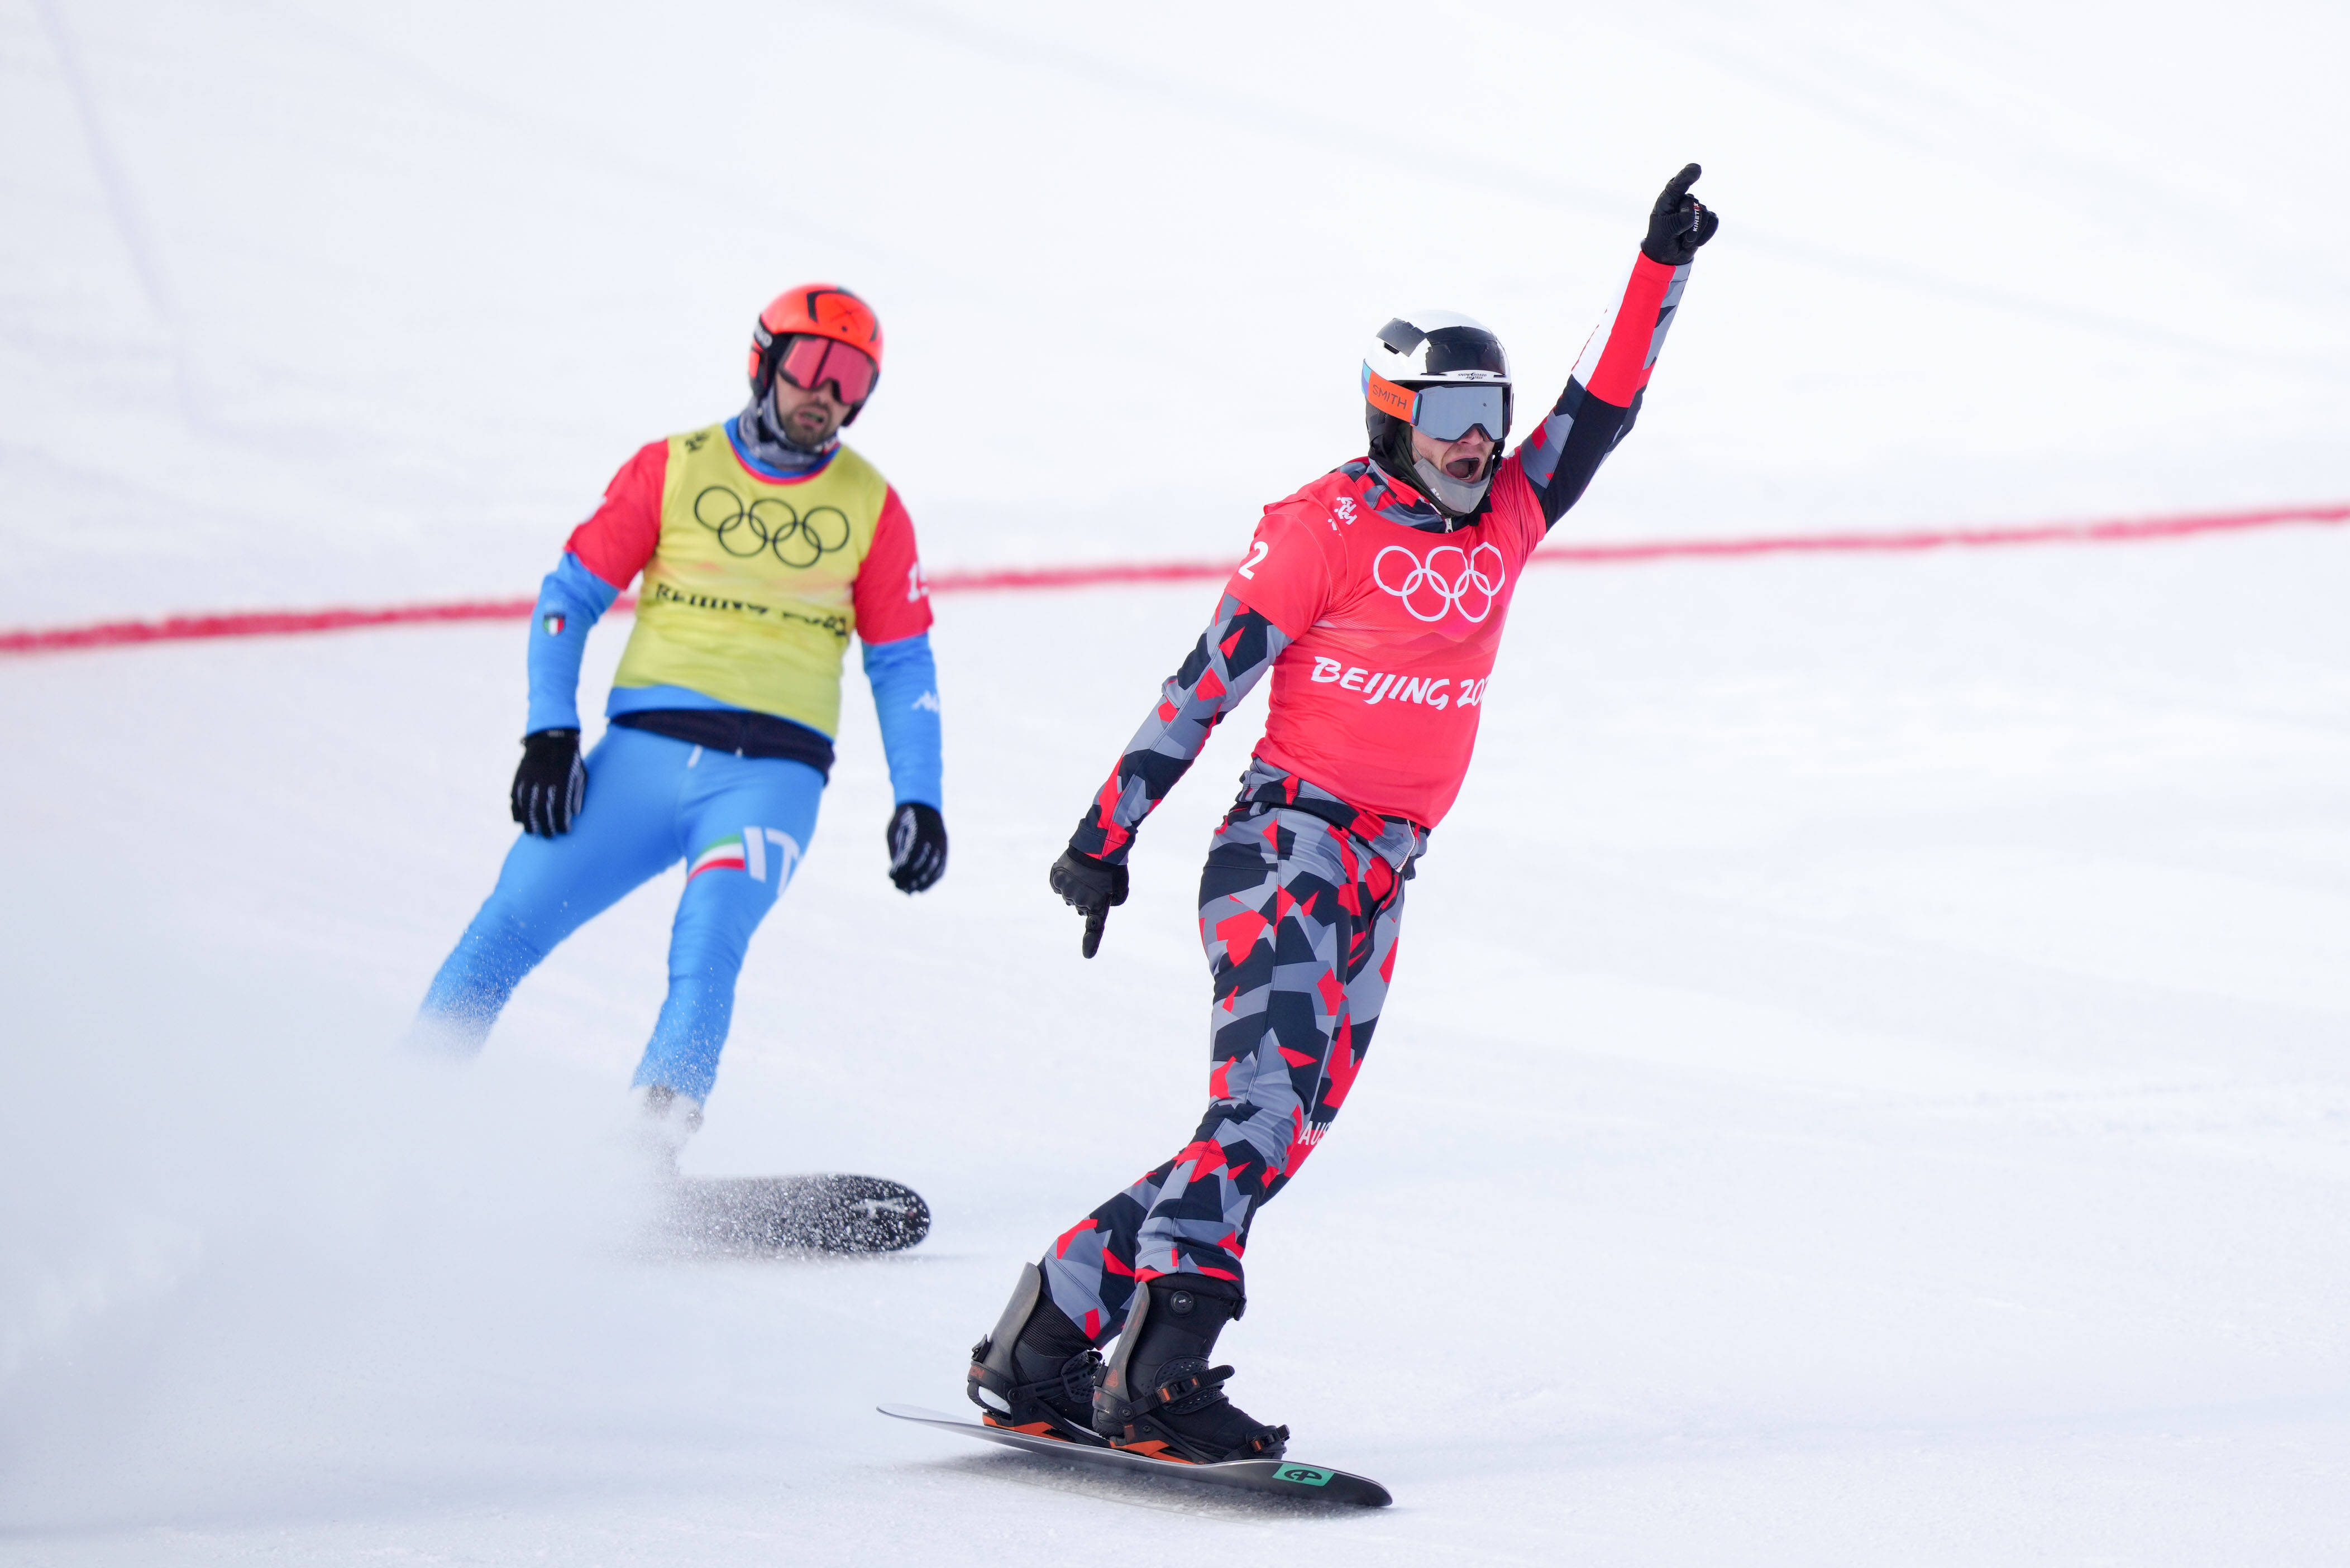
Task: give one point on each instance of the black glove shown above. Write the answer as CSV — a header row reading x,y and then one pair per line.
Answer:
x,y
1679,222
917,847
1092,887
551,782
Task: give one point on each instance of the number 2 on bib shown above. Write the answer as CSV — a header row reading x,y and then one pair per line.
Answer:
x,y
1257,552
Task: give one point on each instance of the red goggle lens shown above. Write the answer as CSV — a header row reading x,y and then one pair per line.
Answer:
x,y
809,362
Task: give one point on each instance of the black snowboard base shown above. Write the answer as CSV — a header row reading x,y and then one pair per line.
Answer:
x,y
768,1214
1276,1478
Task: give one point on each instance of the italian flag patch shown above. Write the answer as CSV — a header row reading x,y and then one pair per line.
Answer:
x,y
553,623
726,854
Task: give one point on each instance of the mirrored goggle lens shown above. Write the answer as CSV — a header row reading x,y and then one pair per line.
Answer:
x,y
809,362
1448,413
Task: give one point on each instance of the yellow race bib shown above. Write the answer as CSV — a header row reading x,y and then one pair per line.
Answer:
x,y
749,597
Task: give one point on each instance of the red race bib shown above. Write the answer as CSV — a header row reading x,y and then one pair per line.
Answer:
x,y
1394,632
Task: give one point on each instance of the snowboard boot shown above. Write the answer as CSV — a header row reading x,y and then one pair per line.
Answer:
x,y
1157,1393
1034,1373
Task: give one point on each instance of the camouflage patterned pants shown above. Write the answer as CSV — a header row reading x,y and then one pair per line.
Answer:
x,y
1299,918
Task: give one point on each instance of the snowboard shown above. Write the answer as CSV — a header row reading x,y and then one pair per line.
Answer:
x,y
1276,1478
767,1214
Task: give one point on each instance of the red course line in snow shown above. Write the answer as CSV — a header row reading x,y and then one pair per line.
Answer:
x,y
275,623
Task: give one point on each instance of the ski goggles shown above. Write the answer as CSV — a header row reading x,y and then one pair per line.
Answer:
x,y
1445,412
809,362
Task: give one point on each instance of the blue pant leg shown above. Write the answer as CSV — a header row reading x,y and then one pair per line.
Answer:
x,y
747,821
626,832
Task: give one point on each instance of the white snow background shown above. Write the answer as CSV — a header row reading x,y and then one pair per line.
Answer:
x,y
1864,1082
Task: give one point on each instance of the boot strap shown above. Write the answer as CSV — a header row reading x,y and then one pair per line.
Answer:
x,y
1271,1437
1075,1381
1180,1388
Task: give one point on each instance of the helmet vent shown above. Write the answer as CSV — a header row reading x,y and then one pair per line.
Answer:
x,y
1401,336
1465,351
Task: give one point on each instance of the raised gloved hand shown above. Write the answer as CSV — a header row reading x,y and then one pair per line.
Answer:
x,y
918,845
551,784
1092,887
1679,222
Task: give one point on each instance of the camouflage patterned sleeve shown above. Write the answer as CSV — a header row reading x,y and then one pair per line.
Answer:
x,y
1231,657
1603,395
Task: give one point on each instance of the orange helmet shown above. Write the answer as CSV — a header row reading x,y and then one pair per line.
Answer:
x,y
813,310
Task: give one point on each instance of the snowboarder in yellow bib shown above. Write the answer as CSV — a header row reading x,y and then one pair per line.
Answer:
x,y
764,546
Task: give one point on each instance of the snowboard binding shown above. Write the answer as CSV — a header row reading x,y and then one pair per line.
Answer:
x,y
1158,1395
1035,1373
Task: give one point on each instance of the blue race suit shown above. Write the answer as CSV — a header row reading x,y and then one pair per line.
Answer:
x,y
655,796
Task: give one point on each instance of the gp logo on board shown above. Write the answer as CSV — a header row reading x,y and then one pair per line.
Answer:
x,y
771,524
1450,579
1304,1474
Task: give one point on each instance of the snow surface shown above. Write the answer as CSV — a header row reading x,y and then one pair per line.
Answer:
x,y
1866,1079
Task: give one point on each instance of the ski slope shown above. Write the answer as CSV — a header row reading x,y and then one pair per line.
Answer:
x,y
1864,1082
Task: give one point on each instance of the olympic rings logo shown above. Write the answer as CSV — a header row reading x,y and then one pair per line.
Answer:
x,y
771,526
1448,580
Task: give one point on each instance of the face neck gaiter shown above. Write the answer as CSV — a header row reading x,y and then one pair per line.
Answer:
x,y
763,440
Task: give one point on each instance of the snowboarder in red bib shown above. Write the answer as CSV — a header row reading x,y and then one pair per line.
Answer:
x,y
1375,596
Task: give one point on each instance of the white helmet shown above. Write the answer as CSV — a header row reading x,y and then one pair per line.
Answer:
x,y
1430,349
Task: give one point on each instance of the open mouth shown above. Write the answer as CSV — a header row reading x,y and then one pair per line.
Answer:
x,y
1463,467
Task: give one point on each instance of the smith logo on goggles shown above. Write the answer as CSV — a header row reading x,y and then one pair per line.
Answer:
x,y
1445,412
